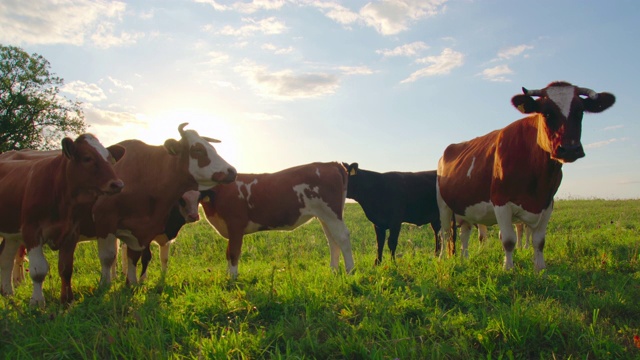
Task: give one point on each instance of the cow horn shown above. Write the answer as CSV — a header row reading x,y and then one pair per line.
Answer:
x,y
181,128
588,92
211,140
531,92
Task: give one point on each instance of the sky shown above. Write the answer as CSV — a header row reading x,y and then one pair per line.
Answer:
x,y
384,83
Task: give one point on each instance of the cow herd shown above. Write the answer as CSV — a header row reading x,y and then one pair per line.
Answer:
x,y
139,193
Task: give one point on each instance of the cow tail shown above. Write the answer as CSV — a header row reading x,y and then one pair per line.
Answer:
x,y
345,182
451,245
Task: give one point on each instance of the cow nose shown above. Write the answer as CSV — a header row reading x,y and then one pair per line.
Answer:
x,y
571,151
194,217
232,173
116,186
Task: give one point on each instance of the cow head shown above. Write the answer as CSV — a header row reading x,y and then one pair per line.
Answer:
x,y
561,106
188,205
205,165
90,170
352,171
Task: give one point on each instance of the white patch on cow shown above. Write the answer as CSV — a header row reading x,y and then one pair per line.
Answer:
x,y
98,146
473,161
11,245
480,213
203,175
247,188
252,227
562,96
233,270
107,252
127,237
38,269
318,172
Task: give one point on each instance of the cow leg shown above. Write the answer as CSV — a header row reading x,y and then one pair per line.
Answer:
x,y
465,234
133,256
436,233
18,265
164,256
107,252
394,233
234,249
145,260
38,270
446,227
519,233
338,237
7,256
381,235
65,270
538,238
507,233
124,260
114,266
482,233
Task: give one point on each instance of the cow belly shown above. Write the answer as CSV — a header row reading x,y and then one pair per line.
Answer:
x,y
480,213
128,238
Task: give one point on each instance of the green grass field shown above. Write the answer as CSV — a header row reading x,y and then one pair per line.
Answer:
x,y
288,304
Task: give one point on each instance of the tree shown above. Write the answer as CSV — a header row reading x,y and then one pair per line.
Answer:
x,y
32,114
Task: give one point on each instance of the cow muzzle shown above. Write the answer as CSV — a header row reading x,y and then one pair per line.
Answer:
x,y
225,177
114,187
569,153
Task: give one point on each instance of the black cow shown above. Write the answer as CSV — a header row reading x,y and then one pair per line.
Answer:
x,y
392,198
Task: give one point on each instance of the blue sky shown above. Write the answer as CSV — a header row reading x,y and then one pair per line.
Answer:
x,y
388,84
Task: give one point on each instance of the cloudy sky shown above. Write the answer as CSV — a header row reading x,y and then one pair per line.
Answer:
x,y
385,83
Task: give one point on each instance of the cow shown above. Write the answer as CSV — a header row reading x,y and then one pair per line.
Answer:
x,y
392,198
156,177
41,203
186,211
282,200
512,174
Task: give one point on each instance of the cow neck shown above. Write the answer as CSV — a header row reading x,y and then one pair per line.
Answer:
x,y
65,202
176,180
543,137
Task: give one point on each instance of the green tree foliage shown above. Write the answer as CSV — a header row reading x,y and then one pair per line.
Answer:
x,y
32,114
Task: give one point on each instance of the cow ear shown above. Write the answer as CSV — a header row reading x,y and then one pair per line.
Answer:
x,y
600,104
353,169
173,146
525,104
117,151
68,148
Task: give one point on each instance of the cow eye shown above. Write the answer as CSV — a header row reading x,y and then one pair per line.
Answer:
x,y
87,159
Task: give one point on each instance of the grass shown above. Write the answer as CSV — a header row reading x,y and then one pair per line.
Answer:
x,y
288,304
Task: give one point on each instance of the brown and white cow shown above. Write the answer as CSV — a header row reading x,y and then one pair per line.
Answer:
x,y
282,200
186,211
512,174
41,201
156,177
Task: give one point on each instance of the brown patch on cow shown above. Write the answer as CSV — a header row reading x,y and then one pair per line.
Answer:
x,y
199,152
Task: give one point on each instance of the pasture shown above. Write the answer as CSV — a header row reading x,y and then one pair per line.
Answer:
x,y
288,304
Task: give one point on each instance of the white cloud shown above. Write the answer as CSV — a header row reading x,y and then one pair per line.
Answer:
x,y
497,73
614,127
411,49
390,17
120,84
513,51
268,26
355,70
84,91
216,58
261,116
54,22
439,65
286,84
276,50
96,116
245,7
604,143
104,36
